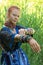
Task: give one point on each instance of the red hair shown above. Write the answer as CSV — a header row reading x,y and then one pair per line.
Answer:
x,y
7,23
12,8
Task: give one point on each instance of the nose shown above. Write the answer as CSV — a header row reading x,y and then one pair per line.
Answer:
x,y
16,18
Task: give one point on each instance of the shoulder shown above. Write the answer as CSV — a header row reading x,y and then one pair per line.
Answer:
x,y
4,28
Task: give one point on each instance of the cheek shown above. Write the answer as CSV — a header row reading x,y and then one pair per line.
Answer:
x,y
11,16
17,18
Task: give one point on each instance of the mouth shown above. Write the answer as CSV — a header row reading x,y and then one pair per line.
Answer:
x,y
15,20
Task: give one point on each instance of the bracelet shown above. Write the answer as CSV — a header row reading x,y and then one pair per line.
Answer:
x,y
25,38
28,37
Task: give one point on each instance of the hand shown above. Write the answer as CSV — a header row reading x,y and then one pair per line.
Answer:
x,y
22,31
17,36
34,45
30,31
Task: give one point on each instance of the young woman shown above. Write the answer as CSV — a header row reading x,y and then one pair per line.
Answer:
x,y
12,53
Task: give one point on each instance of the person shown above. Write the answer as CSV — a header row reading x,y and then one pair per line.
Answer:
x,y
12,54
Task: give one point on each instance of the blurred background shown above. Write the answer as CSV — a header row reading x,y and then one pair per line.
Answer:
x,y
31,16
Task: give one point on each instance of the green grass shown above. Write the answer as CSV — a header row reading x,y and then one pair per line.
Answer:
x,y
28,19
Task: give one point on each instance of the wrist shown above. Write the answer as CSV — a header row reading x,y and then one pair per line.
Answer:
x,y
25,38
28,38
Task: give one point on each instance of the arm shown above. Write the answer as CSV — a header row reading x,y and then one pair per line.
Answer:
x,y
32,42
21,38
28,31
34,45
8,38
5,40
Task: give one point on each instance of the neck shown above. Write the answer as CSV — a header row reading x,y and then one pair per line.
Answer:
x,y
10,25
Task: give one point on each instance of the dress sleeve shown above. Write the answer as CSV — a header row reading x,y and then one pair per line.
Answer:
x,y
7,30
7,40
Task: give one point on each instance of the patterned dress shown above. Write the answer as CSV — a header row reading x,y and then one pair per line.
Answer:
x,y
15,56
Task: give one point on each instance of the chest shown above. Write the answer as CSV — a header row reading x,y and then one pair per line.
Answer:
x,y
14,31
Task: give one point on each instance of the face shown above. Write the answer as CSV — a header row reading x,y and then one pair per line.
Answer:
x,y
14,16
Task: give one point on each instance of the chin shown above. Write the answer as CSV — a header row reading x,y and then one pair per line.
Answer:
x,y
13,22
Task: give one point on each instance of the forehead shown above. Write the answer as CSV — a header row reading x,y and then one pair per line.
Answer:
x,y
15,11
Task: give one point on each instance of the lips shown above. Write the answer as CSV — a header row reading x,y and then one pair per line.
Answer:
x,y
15,20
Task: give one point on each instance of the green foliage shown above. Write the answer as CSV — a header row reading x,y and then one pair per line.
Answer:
x,y
31,16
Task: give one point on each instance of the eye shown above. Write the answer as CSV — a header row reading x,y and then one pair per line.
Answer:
x,y
18,15
14,15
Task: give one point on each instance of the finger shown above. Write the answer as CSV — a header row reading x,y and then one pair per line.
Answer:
x,y
38,47
33,46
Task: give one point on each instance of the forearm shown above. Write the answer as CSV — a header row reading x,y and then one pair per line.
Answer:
x,y
21,38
